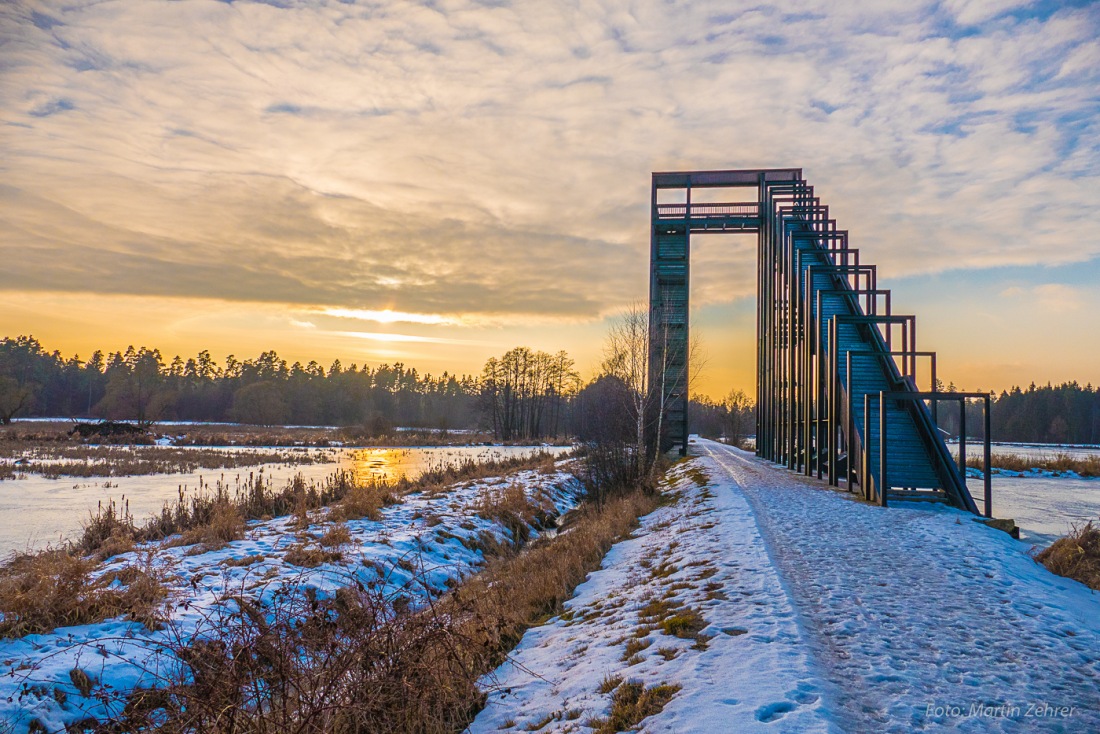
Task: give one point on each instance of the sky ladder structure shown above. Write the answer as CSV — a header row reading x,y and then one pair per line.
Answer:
x,y
837,371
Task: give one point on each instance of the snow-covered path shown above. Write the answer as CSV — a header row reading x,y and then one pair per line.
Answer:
x,y
918,618
746,671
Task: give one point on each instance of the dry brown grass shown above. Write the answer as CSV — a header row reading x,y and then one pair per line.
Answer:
x,y
363,500
224,525
511,507
1087,466
441,476
1076,556
521,589
254,499
631,703
361,661
56,588
685,623
245,561
336,536
81,460
305,556
215,515
609,683
635,646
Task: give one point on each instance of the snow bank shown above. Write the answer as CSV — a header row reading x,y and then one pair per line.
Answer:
x,y
415,549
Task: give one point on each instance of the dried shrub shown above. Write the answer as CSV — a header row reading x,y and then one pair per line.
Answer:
x,y
111,523
335,536
120,542
56,588
352,661
1076,556
223,526
512,508
359,660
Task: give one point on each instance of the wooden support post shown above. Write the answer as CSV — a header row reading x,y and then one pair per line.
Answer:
x,y
987,464
850,418
884,485
865,464
962,439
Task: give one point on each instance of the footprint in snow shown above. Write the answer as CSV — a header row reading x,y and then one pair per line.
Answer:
x,y
774,711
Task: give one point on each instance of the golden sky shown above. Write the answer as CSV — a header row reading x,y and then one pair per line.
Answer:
x,y
434,183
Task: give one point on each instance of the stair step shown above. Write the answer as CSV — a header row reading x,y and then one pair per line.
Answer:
x,y
895,495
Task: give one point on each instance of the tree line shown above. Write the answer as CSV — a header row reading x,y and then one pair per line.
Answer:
x,y
140,385
523,395
1065,413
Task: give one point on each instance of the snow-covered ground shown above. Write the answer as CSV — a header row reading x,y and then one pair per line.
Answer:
x,y
919,618
703,552
856,618
417,543
818,613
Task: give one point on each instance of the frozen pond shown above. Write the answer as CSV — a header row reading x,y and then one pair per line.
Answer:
x,y
35,510
1045,508
1034,450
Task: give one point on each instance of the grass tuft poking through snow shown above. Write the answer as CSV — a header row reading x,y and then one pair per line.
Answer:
x,y
647,619
685,624
632,702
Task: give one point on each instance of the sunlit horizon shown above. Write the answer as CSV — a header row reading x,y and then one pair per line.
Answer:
x,y
437,184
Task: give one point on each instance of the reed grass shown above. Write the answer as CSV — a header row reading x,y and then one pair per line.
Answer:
x,y
59,586
360,660
80,460
1086,466
56,588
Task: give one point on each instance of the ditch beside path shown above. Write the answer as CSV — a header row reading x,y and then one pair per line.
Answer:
x,y
917,618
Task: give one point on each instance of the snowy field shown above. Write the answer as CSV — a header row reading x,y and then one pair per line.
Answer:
x,y
835,615
417,543
37,510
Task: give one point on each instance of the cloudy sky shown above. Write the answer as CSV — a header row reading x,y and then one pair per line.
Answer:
x,y
435,182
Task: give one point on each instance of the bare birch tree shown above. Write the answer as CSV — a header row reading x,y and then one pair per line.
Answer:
x,y
630,345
